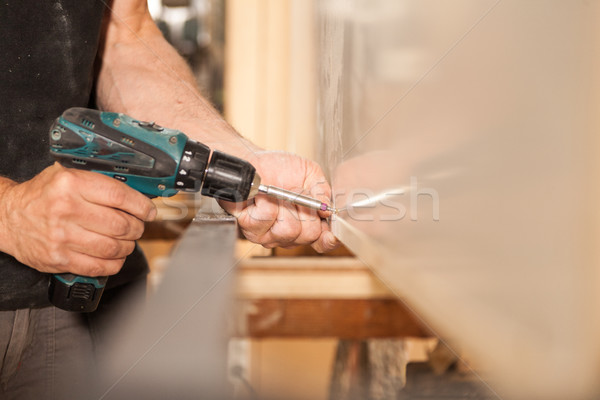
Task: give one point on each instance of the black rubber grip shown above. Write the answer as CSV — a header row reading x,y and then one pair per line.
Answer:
x,y
228,178
75,296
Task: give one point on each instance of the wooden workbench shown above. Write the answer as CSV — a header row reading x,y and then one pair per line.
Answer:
x,y
317,297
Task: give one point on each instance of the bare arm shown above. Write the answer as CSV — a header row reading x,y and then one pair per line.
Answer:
x,y
143,76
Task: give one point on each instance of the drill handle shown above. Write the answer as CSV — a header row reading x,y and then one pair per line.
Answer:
x,y
76,293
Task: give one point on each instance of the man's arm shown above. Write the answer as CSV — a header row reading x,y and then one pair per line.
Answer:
x,y
143,76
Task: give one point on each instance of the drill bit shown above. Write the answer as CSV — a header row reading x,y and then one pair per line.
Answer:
x,y
295,198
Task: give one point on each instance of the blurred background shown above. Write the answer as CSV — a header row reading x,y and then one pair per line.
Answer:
x,y
256,61
484,114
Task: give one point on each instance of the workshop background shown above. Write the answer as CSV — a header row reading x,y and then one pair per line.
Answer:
x,y
498,116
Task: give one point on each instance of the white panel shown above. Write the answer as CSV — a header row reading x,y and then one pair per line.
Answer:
x,y
461,138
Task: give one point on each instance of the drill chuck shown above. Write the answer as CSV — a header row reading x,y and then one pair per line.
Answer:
x,y
227,179
224,177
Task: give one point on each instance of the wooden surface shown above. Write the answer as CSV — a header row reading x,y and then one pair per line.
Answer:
x,y
270,74
308,277
317,297
314,318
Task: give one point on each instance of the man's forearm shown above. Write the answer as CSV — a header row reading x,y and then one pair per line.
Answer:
x,y
143,76
5,237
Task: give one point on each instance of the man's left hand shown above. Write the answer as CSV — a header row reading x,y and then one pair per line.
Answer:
x,y
276,223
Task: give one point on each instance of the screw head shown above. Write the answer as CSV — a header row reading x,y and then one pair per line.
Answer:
x,y
116,122
56,135
161,187
173,139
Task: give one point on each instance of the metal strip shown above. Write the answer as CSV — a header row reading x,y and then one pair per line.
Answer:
x,y
177,347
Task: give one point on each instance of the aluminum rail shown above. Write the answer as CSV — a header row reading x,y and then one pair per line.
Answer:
x,y
177,346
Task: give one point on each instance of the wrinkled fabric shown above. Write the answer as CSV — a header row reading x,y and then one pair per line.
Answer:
x,y
46,353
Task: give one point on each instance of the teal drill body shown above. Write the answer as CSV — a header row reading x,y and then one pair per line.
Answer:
x,y
122,155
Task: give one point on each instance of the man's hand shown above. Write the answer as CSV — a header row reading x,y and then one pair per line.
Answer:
x,y
273,222
66,220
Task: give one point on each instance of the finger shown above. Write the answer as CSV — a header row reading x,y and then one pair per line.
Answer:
x,y
102,190
235,209
311,227
326,241
85,265
269,239
320,190
95,245
288,226
258,218
111,222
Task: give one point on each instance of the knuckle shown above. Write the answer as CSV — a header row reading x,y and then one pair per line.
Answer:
x,y
128,247
57,258
57,235
113,266
64,181
116,195
110,248
310,234
119,225
289,235
263,240
102,267
287,232
313,232
137,230
146,208
251,236
95,270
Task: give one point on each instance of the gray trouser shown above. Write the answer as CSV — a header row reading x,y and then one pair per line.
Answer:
x,y
46,353
52,354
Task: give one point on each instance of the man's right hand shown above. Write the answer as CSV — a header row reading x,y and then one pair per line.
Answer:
x,y
67,220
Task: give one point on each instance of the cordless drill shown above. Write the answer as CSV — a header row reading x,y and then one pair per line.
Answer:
x,y
147,157
153,160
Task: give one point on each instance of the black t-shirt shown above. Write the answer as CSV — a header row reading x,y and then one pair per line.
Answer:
x,y
47,54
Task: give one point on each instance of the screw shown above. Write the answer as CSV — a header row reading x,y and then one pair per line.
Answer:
x,y
173,139
161,187
117,122
56,135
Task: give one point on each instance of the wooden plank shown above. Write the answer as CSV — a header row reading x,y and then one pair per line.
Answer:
x,y
308,278
313,318
310,284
